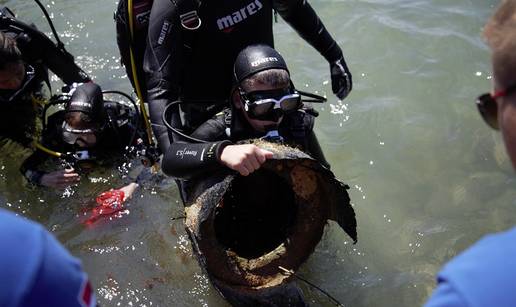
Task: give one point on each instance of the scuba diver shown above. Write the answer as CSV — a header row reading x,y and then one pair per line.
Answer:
x,y
26,54
169,49
88,131
265,104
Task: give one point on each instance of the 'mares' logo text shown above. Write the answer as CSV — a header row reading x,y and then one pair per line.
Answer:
x,y
240,15
263,60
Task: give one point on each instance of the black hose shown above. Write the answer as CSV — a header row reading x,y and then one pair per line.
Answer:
x,y
292,273
51,24
174,130
137,124
123,94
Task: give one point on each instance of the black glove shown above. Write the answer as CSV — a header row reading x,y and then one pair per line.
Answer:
x,y
341,79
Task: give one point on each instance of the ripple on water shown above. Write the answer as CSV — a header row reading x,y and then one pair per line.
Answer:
x,y
413,62
112,292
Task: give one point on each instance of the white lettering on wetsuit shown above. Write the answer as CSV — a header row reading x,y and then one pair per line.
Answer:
x,y
163,33
263,60
181,153
239,15
80,104
143,18
141,12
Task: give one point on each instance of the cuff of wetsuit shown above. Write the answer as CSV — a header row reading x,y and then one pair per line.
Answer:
x,y
333,53
34,177
220,147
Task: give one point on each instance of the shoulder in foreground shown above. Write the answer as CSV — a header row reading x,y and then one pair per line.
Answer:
x,y
484,274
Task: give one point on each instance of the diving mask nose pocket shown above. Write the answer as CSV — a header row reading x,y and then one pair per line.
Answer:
x,y
81,155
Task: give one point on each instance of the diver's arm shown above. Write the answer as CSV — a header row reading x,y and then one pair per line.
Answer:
x,y
188,160
184,160
60,179
36,46
162,65
63,65
56,179
29,167
302,17
129,190
314,149
244,158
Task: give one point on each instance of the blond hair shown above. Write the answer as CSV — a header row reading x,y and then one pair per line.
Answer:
x,y
500,34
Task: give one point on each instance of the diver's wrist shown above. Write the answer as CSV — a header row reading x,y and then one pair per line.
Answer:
x,y
34,177
220,148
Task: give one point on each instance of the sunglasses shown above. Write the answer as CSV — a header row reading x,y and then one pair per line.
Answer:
x,y
488,108
259,104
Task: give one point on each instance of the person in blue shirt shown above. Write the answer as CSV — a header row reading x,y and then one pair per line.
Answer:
x,y
485,274
36,270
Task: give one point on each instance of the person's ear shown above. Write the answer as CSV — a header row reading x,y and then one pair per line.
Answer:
x,y
237,101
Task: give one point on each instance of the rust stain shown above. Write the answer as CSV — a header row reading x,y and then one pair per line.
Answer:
x,y
304,182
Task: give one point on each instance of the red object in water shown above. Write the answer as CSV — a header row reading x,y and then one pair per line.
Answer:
x,y
109,203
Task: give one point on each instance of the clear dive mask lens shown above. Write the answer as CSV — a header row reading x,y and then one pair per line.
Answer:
x,y
71,135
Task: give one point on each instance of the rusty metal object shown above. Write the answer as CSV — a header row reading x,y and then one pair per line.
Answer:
x,y
243,229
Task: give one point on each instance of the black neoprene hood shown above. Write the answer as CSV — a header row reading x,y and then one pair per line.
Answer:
x,y
256,58
87,98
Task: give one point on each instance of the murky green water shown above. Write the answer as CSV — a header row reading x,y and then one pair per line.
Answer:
x,y
428,177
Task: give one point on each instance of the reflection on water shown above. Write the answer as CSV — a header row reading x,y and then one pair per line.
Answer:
x,y
427,177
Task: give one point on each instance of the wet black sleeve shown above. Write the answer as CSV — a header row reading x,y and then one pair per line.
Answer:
x,y
314,149
36,46
163,65
29,167
302,17
187,160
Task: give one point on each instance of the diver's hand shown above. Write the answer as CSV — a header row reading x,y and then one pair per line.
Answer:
x,y
60,179
341,79
129,190
244,159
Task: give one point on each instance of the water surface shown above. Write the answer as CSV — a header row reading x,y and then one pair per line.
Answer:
x,y
427,176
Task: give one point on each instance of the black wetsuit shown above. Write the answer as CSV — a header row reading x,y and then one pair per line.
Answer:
x,y
17,119
201,73
115,141
186,160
